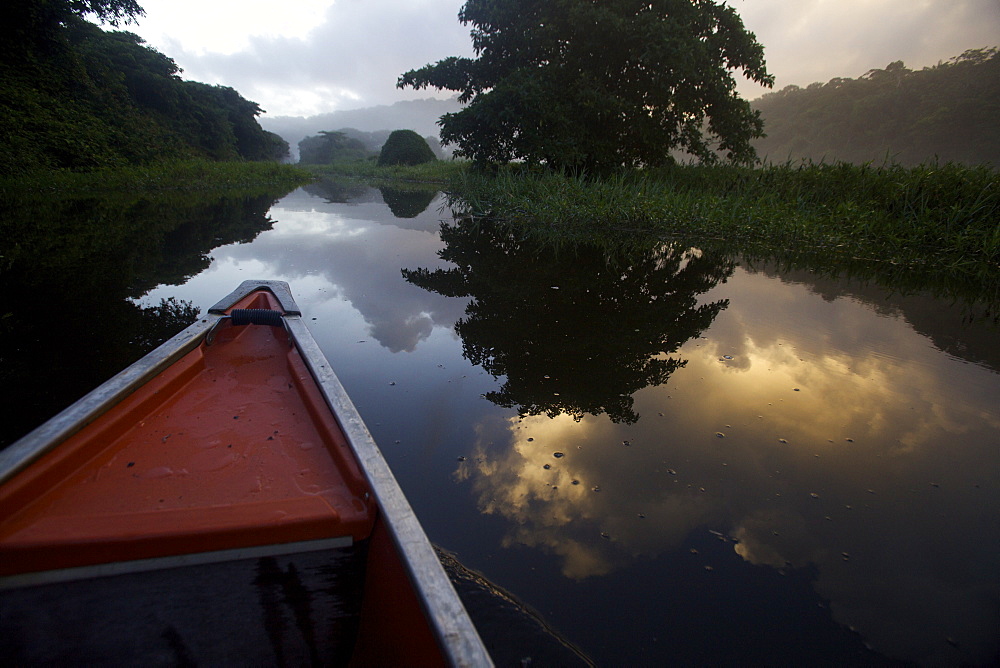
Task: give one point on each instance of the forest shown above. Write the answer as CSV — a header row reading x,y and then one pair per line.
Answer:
x,y
74,96
946,113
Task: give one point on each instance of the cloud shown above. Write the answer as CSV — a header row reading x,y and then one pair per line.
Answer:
x,y
349,57
303,57
817,40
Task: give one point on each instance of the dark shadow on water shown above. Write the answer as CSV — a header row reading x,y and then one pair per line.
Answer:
x,y
69,269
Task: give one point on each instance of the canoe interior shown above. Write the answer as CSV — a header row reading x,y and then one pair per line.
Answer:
x,y
229,452
230,447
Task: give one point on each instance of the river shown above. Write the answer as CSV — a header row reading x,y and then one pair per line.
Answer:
x,y
671,453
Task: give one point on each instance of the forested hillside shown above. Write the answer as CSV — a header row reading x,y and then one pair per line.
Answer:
x,y
75,96
948,112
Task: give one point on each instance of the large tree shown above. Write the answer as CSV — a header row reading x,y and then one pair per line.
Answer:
x,y
599,84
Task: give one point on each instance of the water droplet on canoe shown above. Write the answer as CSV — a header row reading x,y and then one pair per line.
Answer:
x,y
727,357
795,390
558,455
671,472
709,568
605,536
576,482
814,495
596,488
626,444
546,377
849,440
694,551
642,516
782,440
392,382
530,440
547,466
719,434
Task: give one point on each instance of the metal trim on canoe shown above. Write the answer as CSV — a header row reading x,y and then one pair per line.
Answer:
x,y
459,639
26,450
174,561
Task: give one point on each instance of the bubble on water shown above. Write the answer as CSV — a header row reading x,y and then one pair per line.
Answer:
x,y
575,482
671,472
814,495
642,516
782,440
461,459
596,488
719,434
849,440
626,443
605,536
558,455
547,466
530,440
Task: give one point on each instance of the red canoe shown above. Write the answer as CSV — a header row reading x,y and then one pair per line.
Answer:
x,y
220,501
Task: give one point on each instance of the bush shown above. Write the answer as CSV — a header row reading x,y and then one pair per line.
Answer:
x,y
405,147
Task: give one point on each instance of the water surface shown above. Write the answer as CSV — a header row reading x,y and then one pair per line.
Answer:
x,y
672,454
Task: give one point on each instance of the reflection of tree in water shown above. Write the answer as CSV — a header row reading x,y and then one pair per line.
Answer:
x,y
407,203
575,330
70,268
339,192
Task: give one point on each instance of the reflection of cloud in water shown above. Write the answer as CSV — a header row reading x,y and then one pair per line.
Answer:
x,y
834,452
362,261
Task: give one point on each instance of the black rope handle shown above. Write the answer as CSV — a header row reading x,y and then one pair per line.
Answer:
x,y
256,316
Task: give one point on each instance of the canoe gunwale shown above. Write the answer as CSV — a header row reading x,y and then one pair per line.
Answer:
x,y
457,637
46,437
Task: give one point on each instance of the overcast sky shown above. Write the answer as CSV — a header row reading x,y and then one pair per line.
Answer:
x,y
304,57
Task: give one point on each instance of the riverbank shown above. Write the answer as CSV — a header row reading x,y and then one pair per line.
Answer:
x,y
187,175
939,220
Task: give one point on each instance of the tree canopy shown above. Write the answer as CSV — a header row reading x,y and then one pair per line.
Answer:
x,y
598,84
948,112
84,98
405,147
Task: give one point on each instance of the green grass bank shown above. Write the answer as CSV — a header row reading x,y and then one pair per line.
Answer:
x,y
938,221
187,175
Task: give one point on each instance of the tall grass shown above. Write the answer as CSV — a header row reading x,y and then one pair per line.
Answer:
x,y
437,172
177,175
946,213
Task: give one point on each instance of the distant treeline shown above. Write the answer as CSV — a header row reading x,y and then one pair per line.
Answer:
x,y
348,144
75,96
948,112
